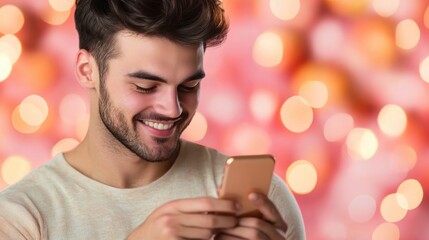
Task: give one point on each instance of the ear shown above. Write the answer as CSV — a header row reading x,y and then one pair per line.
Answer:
x,y
86,69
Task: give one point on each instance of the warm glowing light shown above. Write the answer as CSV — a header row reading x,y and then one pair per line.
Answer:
x,y
373,42
390,209
55,17
285,9
392,120
263,104
64,145
362,208
301,177
338,126
296,114
407,34
11,19
412,192
5,67
424,69
248,139
315,92
362,143
34,110
331,76
37,70
20,125
268,50
61,5
197,129
347,7
386,231
385,8
11,46
14,168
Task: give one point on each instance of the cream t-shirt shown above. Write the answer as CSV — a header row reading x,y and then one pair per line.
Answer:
x,y
55,201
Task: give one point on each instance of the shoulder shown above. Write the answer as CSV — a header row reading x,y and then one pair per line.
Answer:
x,y
203,154
287,205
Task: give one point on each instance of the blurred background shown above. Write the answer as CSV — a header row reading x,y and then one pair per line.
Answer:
x,y
336,90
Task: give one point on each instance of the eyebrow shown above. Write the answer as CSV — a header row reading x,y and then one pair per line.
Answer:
x,y
148,76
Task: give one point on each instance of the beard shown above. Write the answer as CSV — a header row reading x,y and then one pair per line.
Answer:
x,y
115,121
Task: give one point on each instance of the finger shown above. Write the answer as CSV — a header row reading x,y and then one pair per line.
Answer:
x,y
224,236
209,221
193,233
206,204
242,232
268,210
267,228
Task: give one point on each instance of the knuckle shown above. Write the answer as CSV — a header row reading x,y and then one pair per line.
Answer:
x,y
208,203
167,221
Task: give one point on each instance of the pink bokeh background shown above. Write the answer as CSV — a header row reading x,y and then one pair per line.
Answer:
x,y
346,45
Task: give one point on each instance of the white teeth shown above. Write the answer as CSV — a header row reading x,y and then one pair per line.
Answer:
x,y
159,126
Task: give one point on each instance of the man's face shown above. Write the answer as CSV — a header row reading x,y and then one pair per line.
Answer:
x,y
150,94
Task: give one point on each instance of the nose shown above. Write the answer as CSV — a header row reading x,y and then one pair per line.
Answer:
x,y
168,103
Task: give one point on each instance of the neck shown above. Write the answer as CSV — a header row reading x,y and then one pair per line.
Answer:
x,y
120,169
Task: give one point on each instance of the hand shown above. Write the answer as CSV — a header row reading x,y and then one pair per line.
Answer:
x,y
271,226
197,218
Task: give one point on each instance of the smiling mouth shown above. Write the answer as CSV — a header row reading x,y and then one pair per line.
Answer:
x,y
158,125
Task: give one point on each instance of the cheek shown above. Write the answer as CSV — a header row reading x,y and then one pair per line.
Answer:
x,y
190,102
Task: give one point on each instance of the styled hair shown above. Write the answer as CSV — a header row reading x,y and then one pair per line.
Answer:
x,y
187,22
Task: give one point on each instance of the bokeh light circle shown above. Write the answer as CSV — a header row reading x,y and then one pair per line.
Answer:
x,y
361,143
14,168
412,192
296,114
392,120
5,66
301,177
34,110
61,5
11,46
391,210
315,92
386,231
285,9
268,49
64,145
407,34
338,126
197,129
385,8
424,69
11,19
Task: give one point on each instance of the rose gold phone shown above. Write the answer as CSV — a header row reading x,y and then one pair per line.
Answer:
x,y
246,174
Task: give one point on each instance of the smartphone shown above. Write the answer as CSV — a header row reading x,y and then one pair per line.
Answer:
x,y
246,174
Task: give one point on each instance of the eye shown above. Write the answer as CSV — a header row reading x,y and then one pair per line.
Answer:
x,y
144,89
190,86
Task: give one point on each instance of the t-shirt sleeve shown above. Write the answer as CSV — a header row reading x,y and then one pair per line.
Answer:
x,y
286,203
18,222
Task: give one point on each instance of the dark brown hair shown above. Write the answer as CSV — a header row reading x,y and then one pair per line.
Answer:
x,y
188,22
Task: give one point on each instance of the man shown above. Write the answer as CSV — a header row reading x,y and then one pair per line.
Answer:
x,y
132,177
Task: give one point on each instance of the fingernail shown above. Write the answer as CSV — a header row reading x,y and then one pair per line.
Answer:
x,y
253,197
